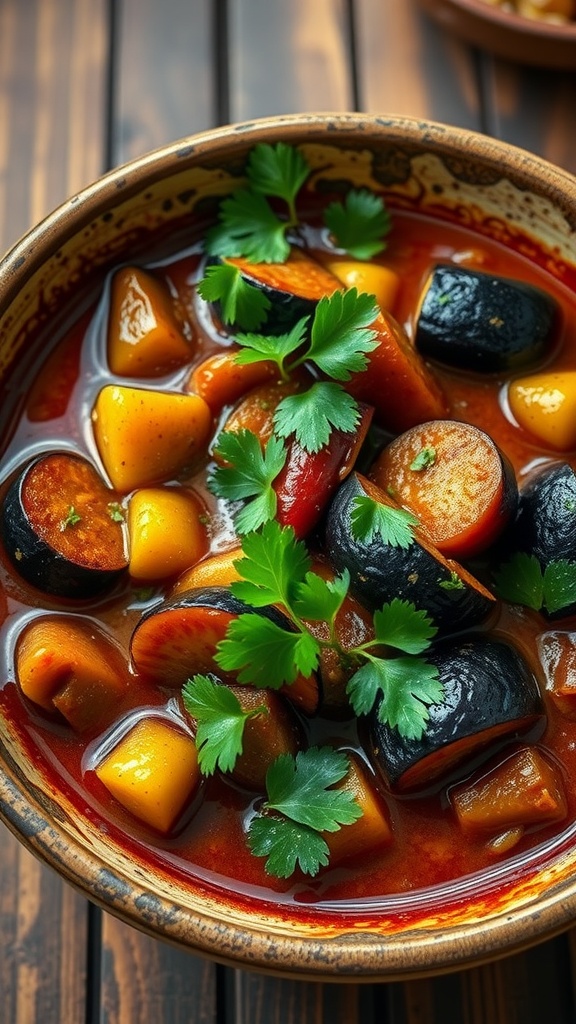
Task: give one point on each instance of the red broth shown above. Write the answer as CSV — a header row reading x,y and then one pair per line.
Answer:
x,y
428,848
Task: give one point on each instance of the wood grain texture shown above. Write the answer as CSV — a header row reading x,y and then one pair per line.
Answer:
x,y
407,66
53,63
288,57
163,74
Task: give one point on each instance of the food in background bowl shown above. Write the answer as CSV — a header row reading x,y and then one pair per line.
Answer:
x,y
276,579
556,12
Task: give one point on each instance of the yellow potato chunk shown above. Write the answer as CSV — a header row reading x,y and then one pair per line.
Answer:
x,y
544,404
153,772
368,277
146,437
144,337
166,534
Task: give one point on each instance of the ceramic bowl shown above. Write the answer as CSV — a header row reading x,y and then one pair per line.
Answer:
x,y
507,34
59,266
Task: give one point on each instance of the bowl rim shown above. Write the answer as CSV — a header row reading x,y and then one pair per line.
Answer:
x,y
512,19
356,954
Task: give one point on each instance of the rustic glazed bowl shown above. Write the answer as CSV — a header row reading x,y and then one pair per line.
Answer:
x,y
505,33
448,173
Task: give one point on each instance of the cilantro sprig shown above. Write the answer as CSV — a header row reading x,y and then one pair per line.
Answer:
x,y
370,518
302,802
220,721
251,226
522,580
249,473
276,569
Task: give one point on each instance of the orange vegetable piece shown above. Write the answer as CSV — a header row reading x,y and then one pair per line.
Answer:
x,y
71,665
144,337
153,772
372,278
367,833
165,532
454,480
557,650
214,571
397,382
524,790
544,404
221,381
147,437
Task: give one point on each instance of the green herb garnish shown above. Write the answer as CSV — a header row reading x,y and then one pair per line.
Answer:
x,y
359,224
455,582
220,722
72,519
522,580
370,518
275,570
116,512
301,804
250,473
426,457
240,301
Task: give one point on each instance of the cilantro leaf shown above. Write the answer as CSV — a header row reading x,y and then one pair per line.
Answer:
x,y
287,846
274,563
278,347
248,227
360,224
520,581
264,654
240,302
425,457
406,686
370,518
251,473
220,722
311,415
400,624
301,788
559,585
340,336
278,170
318,599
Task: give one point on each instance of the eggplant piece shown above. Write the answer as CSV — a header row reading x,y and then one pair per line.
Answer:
x,y
58,527
545,525
293,288
379,571
177,639
482,322
490,697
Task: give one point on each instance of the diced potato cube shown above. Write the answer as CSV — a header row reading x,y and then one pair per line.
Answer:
x,y
153,772
166,533
144,337
372,278
544,404
525,789
147,437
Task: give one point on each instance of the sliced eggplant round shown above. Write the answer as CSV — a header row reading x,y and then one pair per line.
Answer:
x,y
293,288
380,570
490,696
177,639
59,528
546,522
482,322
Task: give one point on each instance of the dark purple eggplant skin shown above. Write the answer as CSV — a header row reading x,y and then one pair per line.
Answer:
x,y
40,564
380,572
487,685
485,323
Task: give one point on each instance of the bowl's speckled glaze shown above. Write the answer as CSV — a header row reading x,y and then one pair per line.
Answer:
x,y
469,179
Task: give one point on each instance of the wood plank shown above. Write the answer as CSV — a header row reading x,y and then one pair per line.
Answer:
x,y
148,981
407,65
288,57
51,134
43,929
532,108
164,83
257,999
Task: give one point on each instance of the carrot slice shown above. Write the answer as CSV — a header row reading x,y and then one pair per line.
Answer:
x,y
397,382
456,482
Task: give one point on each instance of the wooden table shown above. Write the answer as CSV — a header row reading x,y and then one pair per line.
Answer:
x,y
86,85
